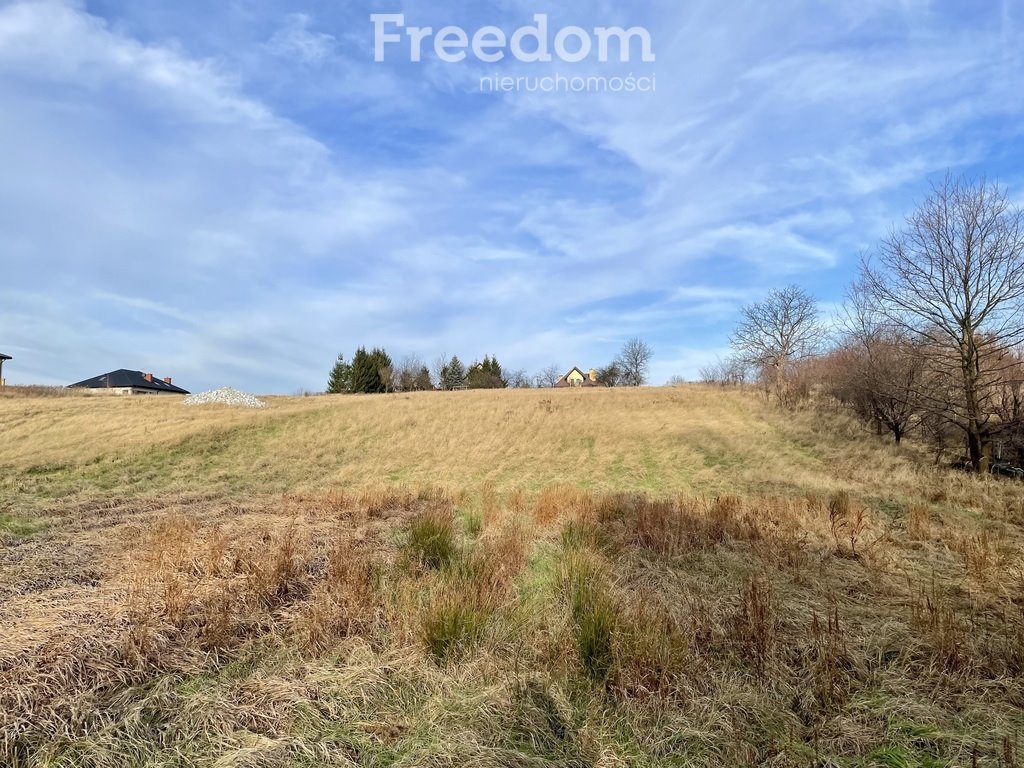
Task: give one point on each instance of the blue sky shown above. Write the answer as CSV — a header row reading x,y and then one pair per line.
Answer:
x,y
232,193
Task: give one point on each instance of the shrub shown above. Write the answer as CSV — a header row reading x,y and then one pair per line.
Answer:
x,y
846,520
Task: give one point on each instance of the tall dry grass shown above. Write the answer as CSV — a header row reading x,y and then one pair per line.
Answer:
x,y
680,577
622,625
660,441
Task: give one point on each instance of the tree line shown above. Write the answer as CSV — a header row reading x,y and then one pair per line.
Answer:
x,y
374,372
930,338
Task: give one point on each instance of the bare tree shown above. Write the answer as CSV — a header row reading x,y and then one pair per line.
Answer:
x,y
727,372
1009,439
879,378
777,333
388,378
437,369
519,380
407,374
953,279
610,375
634,361
878,368
548,377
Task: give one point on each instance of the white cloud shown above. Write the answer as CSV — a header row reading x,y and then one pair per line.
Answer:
x,y
241,215
296,39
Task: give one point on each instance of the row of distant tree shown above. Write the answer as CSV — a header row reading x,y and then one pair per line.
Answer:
x,y
373,371
930,339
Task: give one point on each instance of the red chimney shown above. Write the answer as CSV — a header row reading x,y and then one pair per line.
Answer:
x,y
148,377
167,380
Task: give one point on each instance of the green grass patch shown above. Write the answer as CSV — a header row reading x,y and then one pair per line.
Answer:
x,y
15,525
592,612
431,539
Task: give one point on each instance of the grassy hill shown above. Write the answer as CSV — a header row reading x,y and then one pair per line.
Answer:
x,y
659,440
648,577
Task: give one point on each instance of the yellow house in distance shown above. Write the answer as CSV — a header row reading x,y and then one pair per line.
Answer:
x,y
577,378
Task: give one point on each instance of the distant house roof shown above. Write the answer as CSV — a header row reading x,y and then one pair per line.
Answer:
x,y
587,380
125,378
6,357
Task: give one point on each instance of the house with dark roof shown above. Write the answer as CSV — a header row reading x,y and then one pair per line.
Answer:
x,y
125,382
577,378
2,359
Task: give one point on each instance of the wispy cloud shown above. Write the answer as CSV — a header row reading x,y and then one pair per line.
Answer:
x,y
234,193
296,38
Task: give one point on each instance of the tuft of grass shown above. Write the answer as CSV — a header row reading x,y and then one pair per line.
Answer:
x,y
979,553
674,527
919,526
469,589
938,625
653,651
755,626
431,537
831,662
593,612
454,620
582,534
473,522
344,603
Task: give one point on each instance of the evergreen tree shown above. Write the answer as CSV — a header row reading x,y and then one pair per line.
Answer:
x,y
422,381
497,377
341,377
453,374
486,375
371,371
365,378
384,368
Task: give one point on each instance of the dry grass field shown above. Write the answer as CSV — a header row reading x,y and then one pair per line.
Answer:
x,y
660,577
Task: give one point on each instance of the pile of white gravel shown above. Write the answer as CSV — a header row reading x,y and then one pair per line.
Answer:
x,y
225,396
